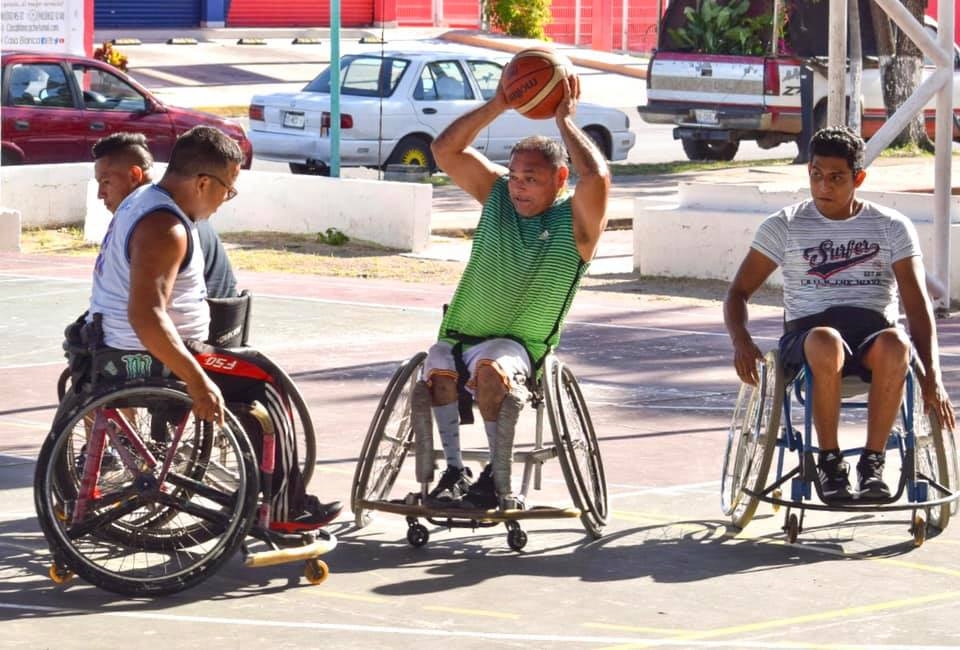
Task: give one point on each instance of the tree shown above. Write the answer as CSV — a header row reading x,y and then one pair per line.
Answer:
x,y
901,63
524,18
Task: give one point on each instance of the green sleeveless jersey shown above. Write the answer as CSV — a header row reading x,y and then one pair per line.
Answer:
x,y
521,277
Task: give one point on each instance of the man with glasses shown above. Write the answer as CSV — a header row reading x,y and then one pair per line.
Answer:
x,y
122,162
149,294
844,260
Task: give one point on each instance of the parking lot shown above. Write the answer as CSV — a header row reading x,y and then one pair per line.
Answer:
x,y
669,572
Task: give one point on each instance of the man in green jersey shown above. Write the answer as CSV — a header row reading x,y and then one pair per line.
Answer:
x,y
533,243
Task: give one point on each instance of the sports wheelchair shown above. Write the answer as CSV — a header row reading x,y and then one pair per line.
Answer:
x,y
139,497
762,428
390,439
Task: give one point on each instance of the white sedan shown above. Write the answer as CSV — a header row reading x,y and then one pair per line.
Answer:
x,y
393,105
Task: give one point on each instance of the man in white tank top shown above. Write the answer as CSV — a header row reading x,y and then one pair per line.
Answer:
x,y
844,263
149,290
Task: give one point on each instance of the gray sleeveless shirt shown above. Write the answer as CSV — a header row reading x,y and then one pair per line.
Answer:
x,y
187,306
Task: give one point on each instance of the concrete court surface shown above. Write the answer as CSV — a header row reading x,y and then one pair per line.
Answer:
x,y
669,572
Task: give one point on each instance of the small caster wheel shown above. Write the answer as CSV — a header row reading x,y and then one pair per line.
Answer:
x,y
517,539
418,535
777,494
792,528
919,530
60,575
316,571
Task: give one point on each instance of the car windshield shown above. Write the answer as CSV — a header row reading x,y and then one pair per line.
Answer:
x,y
364,76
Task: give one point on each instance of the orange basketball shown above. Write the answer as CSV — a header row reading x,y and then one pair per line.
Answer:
x,y
532,82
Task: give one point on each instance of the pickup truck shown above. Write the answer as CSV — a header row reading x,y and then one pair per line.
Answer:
x,y
717,100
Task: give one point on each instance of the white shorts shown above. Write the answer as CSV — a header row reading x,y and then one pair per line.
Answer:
x,y
506,356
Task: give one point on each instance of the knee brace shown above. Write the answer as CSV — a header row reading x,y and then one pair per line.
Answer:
x,y
421,419
506,429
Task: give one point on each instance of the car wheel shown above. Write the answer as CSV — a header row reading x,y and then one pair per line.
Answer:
x,y
311,170
600,138
707,150
9,158
413,150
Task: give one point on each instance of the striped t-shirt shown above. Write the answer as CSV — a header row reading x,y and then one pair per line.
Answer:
x,y
521,277
828,262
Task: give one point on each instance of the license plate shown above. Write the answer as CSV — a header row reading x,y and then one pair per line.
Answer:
x,y
705,116
294,120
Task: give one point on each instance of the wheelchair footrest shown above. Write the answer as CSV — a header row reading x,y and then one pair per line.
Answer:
x,y
294,554
453,512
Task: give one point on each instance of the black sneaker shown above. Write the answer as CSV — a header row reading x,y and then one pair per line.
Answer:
x,y
482,495
453,484
315,515
832,471
870,476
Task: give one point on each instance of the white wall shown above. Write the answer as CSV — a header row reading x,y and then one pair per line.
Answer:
x,y
707,234
396,215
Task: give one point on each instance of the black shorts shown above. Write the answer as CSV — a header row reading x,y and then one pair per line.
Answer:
x,y
858,328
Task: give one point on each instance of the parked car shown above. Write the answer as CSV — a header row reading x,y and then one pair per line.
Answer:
x,y
392,107
55,106
717,100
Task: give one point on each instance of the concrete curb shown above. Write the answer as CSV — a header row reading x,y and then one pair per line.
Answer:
x,y
512,46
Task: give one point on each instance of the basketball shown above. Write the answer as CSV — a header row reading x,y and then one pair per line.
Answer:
x,y
532,82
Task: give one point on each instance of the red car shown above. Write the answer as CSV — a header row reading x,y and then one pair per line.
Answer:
x,y
55,106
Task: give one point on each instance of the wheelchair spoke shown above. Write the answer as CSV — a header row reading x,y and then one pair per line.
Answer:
x,y
108,516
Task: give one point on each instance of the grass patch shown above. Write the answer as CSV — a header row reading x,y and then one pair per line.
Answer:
x,y
66,240
688,166
225,111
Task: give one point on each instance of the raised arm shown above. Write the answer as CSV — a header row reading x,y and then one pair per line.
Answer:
x,y
589,201
754,270
468,168
910,281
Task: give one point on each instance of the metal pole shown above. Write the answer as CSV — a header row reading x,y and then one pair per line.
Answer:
x,y
623,26
837,65
943,160
576,22
334,88
856,67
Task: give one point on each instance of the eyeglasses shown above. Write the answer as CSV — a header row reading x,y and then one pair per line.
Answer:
x,y
231,191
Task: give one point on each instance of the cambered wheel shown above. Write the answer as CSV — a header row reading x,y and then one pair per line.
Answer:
x,y
62,382
792,528
418,535
576,443
139,536
936,460
302,424
709,150
751,441
388,440
413,150
316,571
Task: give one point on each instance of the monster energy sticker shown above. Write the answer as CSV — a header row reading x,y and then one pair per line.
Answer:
x,y
137,365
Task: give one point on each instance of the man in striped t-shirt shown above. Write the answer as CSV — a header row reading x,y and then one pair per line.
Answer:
x,y
532,245
844,261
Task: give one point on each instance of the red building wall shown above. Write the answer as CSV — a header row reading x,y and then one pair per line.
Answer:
x,y
298,13
601,21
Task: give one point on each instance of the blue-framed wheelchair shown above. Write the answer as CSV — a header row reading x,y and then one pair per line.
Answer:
x,y
764,436
136,495
391,439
